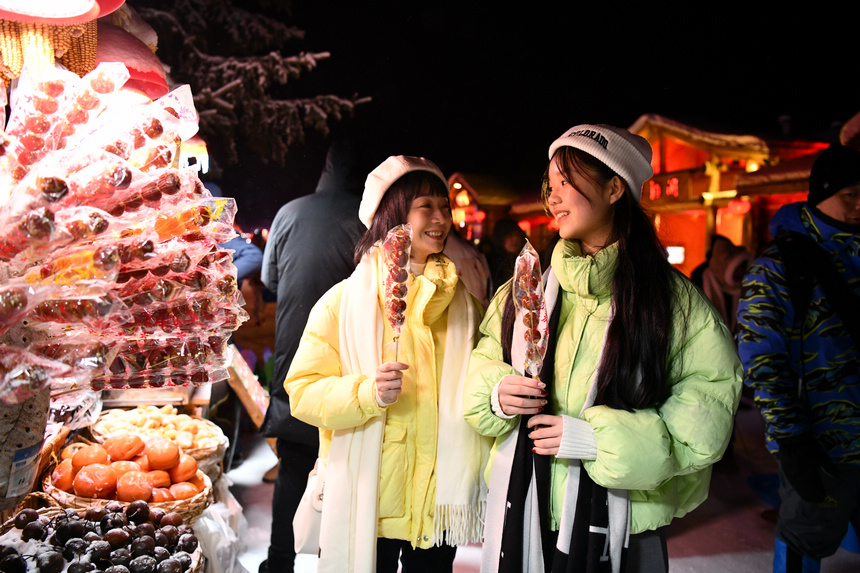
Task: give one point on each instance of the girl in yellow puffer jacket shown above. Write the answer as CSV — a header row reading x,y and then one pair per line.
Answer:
x,y
402,467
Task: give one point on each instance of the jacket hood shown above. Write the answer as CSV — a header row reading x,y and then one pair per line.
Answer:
x,y
343,171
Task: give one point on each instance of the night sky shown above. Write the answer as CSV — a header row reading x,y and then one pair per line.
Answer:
x,y
480,91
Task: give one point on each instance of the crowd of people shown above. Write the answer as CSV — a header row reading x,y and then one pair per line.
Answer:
x,y
433,431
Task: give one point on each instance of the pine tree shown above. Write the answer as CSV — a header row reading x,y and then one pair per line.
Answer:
x,y
242,68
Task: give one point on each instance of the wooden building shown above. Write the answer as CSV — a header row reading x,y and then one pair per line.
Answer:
x,y
695,192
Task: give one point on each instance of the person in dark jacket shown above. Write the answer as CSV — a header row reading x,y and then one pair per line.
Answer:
x,y
800,355
309,250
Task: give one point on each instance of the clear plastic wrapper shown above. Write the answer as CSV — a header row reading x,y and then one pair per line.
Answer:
x,y
110,252
52,113
78,264
35,228
75,410
396,248
530,305
23,374
17,299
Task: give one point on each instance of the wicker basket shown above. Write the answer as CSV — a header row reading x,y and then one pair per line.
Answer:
x,y
45,505
190,509
209,459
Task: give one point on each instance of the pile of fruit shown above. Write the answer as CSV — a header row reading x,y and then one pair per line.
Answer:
x,y
160,422
115,539
127,469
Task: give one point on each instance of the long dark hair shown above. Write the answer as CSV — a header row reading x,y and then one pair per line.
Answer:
x,y
395,204
633,367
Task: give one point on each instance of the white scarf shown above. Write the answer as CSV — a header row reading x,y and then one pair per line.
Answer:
x,y
618,500
349,520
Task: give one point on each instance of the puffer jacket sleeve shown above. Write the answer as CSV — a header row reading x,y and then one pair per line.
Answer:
x,y
319,394
486,368
764,315
690,430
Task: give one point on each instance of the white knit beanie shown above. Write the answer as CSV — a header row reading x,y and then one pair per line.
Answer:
x,y
627,154
381,178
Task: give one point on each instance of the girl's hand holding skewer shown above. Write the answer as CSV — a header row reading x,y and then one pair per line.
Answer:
x,y
389,381
521,395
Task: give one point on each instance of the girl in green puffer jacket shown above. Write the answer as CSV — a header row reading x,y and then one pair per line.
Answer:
x,y
635,401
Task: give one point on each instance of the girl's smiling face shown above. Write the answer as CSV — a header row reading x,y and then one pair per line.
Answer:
x,y
430,218
582,209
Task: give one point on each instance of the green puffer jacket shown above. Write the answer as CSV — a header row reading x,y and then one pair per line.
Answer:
x,y
662,455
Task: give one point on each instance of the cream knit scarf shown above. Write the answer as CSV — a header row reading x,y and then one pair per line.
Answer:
x,y
349,520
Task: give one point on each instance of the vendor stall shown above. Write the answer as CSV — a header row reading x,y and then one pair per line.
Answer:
x,y
116,301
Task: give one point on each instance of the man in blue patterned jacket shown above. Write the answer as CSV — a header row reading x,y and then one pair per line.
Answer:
x,y
800,355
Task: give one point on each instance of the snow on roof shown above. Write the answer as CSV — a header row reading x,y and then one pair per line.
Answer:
x,y
717,141
790,170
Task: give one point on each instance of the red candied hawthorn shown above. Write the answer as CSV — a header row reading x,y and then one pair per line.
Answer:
x,y
154,129
398,257
32,142
19,173
88,100
52,188
52,88
77,115
396,306
398,274
66,129
138,138
26,157
102,84
532,335
179,263
530,301
160,156
120,178
46,105
13,301
85,229
530,319
398,290
133,203
37,124
118,148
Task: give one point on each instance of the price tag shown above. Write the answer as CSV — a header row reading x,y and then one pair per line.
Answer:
x,y
24,465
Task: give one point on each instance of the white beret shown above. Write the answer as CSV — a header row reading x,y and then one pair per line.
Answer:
x,y
381,178
627,154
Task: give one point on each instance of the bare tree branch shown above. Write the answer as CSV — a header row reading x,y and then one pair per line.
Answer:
x,y
235,63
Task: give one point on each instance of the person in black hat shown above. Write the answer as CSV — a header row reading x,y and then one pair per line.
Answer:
x,y
798,341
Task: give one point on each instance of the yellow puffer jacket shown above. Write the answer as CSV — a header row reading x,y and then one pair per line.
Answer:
x,y
320,396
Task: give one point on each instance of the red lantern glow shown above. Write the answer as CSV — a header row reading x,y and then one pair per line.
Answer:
x,y
739,207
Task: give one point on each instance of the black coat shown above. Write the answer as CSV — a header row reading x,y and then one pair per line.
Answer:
x,y
309,250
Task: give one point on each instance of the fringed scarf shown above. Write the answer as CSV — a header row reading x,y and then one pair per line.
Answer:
x,y
594,523
350,511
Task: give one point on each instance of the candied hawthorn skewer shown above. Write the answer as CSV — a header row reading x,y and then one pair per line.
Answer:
x,y
396,248
529,302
